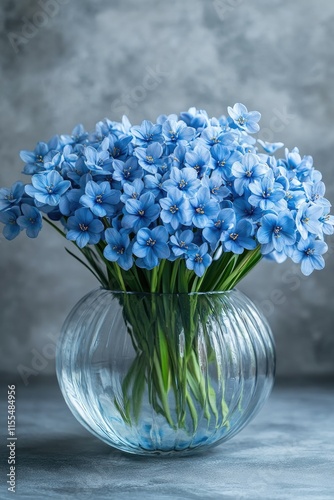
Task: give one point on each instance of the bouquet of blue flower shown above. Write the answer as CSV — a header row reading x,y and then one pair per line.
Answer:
x,y
185,204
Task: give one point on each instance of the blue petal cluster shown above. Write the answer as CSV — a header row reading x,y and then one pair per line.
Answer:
x,y
185,187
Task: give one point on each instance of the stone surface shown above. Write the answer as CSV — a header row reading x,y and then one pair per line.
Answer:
x,y
286,452
94,59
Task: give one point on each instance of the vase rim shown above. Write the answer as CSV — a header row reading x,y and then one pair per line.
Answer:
x,y
130,292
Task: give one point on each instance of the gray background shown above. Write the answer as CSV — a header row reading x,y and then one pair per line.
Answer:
x,y
92,59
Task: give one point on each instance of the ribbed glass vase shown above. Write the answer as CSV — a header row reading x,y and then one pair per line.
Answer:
x,y
163,374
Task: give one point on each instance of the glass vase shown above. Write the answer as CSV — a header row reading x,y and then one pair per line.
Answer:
x,y
163,374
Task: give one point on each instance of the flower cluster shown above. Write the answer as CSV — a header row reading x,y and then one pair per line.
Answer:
x,y
185,187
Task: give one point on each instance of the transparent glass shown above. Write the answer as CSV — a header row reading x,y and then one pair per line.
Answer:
x,y
163,374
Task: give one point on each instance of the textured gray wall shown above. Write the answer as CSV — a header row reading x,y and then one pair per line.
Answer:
x,y
92,59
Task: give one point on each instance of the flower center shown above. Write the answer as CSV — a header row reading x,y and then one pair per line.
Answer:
x,y
83,227
98,199
32,220
267,193
150,242
9,197
222,163
309,251
173,209
49,188
305,220
182,184
277,231
149,159
198,258
248,173
141,212
173,135
234,236
214,190
39,159
200,210
119,250
241,120
116,152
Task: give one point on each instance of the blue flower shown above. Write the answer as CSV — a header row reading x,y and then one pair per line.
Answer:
x,y
78,136
196,118
270,147
267,194
69,159
203,208
9,218
47,188
177,158
132,190
276,232
198,159
100,198
239,237
34,160
175,209
128,171
222,159
98,161
31,220
140,213
119,148
185,180
305,169
175,132
327,222
246,171
244,210
118,248
309,253
11,196
216,186
292,161
70,201
146,133
181,241
244,119
307,220
150,246
219,226
296,166
214,135
154,183
84,228
295,197
198,259
78,171
315,192
150,158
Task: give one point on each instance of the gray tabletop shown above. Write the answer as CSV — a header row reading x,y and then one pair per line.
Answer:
x,y
286,452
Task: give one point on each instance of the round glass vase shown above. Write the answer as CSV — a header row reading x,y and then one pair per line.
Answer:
x,y
163,374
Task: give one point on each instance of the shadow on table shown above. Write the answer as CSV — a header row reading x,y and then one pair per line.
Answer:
x,y
82,451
